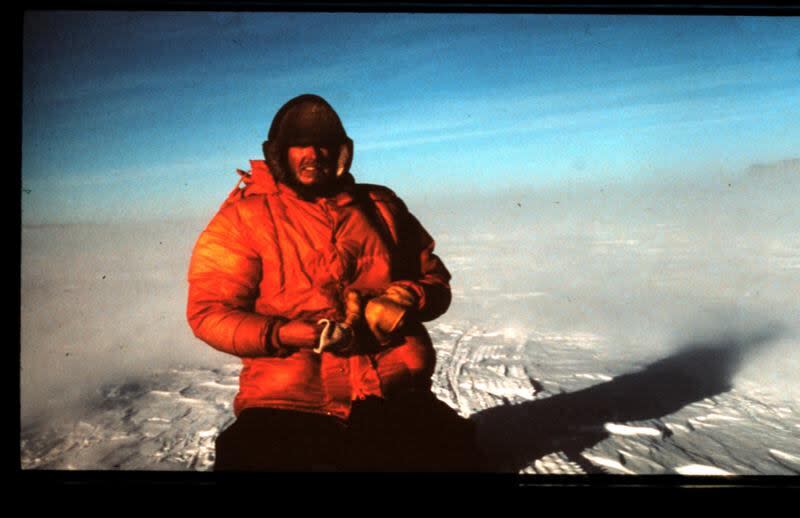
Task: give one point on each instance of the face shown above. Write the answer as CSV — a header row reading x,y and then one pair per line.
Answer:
x,y
311,166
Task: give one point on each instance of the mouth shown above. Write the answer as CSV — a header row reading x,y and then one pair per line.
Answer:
x,y
312,173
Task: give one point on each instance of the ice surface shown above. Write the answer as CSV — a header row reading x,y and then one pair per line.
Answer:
x,y
610,465
594,336
698,469
620,429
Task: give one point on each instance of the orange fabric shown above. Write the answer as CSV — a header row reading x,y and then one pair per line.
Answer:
x,y
269,255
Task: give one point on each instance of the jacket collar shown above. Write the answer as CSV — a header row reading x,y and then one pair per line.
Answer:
x,y
261,181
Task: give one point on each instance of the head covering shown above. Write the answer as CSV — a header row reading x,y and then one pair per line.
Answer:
x,y
306,120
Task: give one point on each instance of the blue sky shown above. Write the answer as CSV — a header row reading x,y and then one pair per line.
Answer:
x,y
139,116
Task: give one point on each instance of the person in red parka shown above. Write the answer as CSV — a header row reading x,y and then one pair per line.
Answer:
x,y
320,285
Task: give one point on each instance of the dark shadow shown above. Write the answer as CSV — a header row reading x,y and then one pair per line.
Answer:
x,y
513,436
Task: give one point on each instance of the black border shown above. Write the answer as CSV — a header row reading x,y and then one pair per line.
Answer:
x,y
709,8
44,478
69,480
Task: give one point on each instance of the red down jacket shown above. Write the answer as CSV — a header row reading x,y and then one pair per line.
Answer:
x,y
268,254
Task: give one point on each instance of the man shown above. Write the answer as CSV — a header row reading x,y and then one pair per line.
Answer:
x,y
320,285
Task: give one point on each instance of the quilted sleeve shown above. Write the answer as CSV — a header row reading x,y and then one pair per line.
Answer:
x,y
427,275
224,274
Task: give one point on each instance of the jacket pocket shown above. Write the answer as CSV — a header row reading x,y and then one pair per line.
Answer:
x,y
409,366
295,378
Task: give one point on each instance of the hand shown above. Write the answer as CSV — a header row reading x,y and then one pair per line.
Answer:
x,y
340,338
387,313
353,308
334,336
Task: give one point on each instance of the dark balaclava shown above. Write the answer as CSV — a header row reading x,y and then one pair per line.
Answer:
x,y
303,121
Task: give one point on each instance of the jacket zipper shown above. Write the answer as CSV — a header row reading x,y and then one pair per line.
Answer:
x,y
332,224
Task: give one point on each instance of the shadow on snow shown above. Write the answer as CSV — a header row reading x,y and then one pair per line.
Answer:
x,y
513,436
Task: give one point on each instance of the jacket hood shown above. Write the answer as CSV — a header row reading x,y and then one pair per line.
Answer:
x,y
306,120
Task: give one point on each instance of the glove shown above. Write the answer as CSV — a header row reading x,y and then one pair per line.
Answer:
x,y
387,313
334,336
340,338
